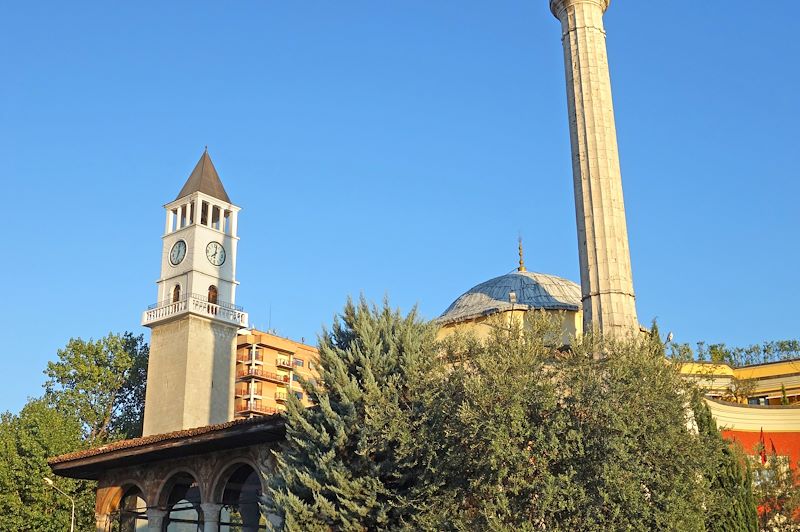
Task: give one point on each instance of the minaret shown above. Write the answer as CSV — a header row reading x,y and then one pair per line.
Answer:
x,y
190,375
606,282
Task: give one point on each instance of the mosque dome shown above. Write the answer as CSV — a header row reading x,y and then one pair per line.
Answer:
x,y
533,291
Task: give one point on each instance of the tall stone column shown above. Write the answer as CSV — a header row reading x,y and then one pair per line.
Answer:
x,y
606,281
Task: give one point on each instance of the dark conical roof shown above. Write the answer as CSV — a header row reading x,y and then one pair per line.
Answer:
x,y
204,178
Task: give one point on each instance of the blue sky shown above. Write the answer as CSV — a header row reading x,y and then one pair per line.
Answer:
x,y
391,148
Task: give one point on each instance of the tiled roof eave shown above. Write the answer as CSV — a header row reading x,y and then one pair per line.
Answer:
x,y
88,463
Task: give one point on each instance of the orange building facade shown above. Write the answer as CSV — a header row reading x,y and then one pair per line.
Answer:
x,y
758,405
269,370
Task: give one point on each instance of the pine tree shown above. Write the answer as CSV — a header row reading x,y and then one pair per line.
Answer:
x,y
731,505
784,398
357,460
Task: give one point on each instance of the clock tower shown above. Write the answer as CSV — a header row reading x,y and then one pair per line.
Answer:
x,y
190,375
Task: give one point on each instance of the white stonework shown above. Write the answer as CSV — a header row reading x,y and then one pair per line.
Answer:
x,y
191,372
606,279
195,273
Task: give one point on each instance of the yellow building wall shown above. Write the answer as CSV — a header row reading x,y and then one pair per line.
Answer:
x,y
482,327
766,381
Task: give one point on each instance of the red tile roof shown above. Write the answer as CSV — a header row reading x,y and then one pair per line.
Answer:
x,y
156,438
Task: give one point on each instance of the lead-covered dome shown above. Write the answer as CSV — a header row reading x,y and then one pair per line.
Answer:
x,y
533,291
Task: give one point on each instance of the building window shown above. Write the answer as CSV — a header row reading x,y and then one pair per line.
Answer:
x,y
212,294
299,395
310,364
296,377
757,400
298,362
176,293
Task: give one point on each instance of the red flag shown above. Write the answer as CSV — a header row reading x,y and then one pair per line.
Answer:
x,y
772,444
762,451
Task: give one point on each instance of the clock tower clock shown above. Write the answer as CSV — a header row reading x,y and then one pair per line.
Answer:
x,y
190,375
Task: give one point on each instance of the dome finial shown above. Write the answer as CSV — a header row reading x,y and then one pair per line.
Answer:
x,y
521,258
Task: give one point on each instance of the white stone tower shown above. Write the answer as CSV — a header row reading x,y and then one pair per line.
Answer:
x,y
609,304
190,376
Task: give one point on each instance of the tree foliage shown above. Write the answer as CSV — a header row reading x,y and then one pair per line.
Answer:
x,y
94,394
733,505
589,438
511,432
354,462
103,383
772,351
27,440
777,492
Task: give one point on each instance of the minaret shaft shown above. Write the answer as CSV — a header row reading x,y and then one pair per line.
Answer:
x,y
606,280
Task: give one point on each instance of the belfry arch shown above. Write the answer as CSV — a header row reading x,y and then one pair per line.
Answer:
x,y
182,499
238,489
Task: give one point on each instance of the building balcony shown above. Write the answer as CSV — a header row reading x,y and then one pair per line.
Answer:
x,y
195,304
245,407
259,373
281,397
284,363
247,359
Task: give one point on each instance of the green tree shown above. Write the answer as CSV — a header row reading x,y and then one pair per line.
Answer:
x,y
354,461
103,383
777,492
565,439
94,394
27,440
774,351
513,432
732,505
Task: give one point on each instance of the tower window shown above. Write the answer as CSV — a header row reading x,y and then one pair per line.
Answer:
x,y
212,294
204,213
215,217
176,293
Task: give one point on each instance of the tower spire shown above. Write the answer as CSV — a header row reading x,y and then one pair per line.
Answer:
x,y
204,178
521,257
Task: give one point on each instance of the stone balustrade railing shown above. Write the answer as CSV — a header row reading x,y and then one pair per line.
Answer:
x,y
195,305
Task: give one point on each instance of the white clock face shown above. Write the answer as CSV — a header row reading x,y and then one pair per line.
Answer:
x,y
177,253
215,253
